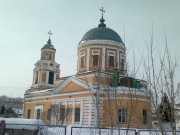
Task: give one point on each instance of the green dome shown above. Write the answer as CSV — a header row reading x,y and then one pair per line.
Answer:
x,y
48,45
102,33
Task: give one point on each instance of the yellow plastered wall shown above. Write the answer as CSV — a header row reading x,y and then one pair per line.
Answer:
x,y
134,110
94,79
31,106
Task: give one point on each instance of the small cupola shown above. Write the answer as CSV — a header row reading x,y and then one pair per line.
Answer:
x,y
48,45
48,51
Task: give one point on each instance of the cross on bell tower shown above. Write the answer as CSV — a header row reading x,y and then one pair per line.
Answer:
x,y
50,34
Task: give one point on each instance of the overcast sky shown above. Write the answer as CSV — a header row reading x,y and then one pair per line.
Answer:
x,y
24,25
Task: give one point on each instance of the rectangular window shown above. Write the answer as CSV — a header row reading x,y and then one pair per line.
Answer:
x,y
111,61
83,64
121,115
62,114
29,114
51,78
95,59
49,114
144,116
38,113
77,115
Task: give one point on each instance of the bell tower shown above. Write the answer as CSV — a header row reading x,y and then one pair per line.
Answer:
x,y
46,70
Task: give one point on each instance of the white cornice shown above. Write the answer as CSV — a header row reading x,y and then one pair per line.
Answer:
x,y
108,42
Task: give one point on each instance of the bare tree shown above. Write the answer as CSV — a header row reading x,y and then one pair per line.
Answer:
x,y
160,73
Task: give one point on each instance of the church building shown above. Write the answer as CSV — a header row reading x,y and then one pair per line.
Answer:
x,y
99,95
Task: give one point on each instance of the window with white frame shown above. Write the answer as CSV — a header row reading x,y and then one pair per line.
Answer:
x,y
121,115
95,57
38,111
83,59
111,58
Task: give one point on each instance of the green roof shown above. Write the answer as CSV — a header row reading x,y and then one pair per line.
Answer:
x,y
102,33
48,45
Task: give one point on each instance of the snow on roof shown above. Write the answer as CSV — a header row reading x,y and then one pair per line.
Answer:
x,y
17,110
21,121
41,91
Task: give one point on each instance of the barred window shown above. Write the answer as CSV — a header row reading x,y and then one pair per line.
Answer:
x,y
62,114
144,116
122,115
77,115
49,114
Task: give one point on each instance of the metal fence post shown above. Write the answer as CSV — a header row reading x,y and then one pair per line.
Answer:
x,y
2,127
71,130
65,129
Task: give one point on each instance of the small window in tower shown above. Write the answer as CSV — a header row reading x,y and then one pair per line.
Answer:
x,y
46,56
51,78
111,61
50,56
95,59
36,77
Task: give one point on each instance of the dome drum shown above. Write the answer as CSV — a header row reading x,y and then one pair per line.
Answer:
x,y
101,49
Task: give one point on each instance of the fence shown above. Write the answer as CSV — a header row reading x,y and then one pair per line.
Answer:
x,y
30,129
156,132
102,131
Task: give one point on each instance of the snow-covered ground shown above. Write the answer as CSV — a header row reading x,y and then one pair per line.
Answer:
x,y
34,124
